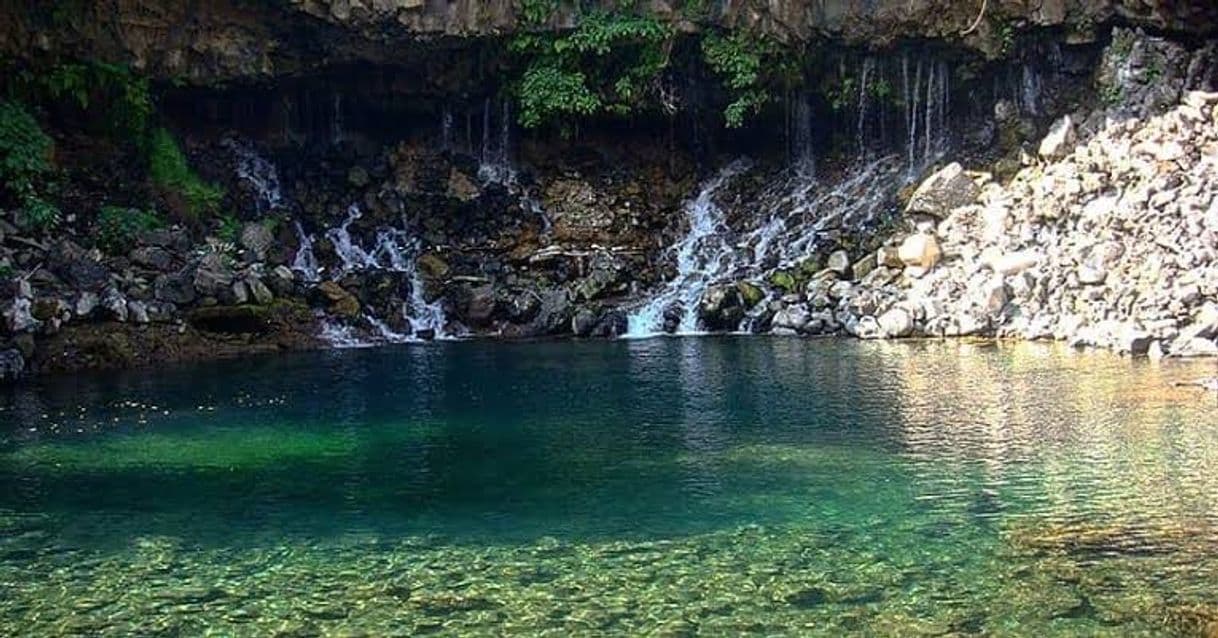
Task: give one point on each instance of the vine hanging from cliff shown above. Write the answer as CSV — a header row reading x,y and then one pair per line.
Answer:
x,y
751,67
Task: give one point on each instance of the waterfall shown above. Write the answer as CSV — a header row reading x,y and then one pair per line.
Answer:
x,y
394,250
495,163
353,256
1029,90
803,155
259,173
338,131
446,129
868,68
927,99
701,255
305,262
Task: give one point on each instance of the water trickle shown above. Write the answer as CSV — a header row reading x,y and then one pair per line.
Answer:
x,y
305,262
495,163
338,132
446,129
700,258
864,95
352,255
1030,87
803,154
259,173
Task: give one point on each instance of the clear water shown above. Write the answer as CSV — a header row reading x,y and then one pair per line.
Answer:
x,y
674,487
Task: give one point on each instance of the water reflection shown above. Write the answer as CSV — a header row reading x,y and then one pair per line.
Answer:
x,y
868,487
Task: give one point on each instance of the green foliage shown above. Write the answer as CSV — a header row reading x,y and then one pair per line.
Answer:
x,y
118,227
25,151
749,65
537,12
1006,38
119,99
169,170
611,63
230,230
25,163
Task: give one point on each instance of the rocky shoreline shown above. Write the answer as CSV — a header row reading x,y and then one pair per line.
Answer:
x,y
1098,228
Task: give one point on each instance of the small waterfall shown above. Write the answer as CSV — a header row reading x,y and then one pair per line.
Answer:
x,y
394,250
1030,88
495,163
353,256
927,99
803,155
259,173
701,254
446,129
864,98
305,262
338,130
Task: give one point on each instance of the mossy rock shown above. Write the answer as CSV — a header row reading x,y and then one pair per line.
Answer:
x,y
810,266
784,281
750,293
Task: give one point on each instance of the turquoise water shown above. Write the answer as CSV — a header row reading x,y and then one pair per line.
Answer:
x,y
676,487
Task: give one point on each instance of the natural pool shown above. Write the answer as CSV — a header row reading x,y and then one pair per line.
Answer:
x,y
672,487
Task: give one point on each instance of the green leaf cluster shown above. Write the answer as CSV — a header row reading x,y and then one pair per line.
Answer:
x,y
118,227
112,94
25,163
750,66
610,63
169,170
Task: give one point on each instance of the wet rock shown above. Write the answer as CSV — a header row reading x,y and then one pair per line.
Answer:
x,y
1060,139
939,194
12,364
584,322
152,257
338,300
177,288
213,277
78,268
920,250
896,323
554,314
750,293
721,308
257,239
597,283
86,303
115,305
839,262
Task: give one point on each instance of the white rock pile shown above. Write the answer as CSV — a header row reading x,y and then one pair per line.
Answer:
x,y
1111,242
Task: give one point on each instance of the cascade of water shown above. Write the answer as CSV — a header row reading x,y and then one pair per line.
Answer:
x,y
305,262
337,124
446,129
864,95
803,153
701,254
913,121
423,316
1029,90
495,158
259,173
353,256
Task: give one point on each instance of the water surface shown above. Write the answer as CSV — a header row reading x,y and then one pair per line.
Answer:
x,y
674,487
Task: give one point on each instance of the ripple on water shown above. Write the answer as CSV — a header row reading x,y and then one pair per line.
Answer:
x,y
671,487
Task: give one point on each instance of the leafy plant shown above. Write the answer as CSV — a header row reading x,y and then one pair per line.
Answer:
x,y
537,12
610,63
230,230
118,227
121,99
25,163
749,65
169,170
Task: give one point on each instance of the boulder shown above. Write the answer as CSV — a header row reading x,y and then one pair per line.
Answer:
x,y
750,293
943,192
839,262
793,318
18,317
338,300
152,257
259,291
12,364
584,322
721,308
213,277
1060,139
920,250
176,288
257,240
86,303
896,323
